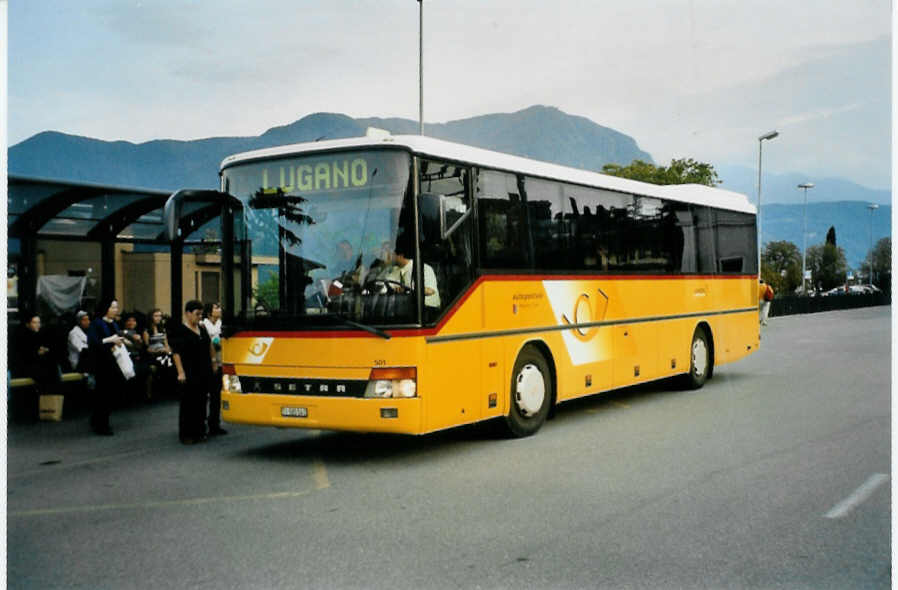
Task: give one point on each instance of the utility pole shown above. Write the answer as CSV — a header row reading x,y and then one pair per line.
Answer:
x,y
768,136
420,67
804,236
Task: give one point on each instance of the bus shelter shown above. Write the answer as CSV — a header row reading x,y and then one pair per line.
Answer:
x,y
116,234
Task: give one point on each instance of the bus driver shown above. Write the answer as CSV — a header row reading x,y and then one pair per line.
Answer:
x,y
403,275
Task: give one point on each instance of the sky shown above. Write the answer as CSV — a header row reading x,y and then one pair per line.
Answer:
x,y
684,78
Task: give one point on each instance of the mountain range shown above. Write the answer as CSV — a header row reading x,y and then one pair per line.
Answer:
x,y
539,132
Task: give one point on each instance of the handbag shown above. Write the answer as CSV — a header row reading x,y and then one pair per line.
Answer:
x,y
124,362
50,407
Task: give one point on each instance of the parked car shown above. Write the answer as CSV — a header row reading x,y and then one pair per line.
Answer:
x,y
834,291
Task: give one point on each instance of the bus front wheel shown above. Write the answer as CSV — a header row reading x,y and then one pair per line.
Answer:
x,y
531,393
700,360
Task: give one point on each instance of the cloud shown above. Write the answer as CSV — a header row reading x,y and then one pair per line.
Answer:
x,y
821,113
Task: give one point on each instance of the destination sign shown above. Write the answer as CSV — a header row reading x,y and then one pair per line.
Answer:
x,y
339,173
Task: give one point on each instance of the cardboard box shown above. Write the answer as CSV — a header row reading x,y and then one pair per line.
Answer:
x,y
50,407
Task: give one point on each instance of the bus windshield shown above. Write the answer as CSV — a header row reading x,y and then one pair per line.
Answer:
x,y
323,230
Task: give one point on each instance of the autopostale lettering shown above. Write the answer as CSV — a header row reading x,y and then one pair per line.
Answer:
x,y
332,175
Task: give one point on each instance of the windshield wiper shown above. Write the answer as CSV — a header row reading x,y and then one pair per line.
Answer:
x,y
354,324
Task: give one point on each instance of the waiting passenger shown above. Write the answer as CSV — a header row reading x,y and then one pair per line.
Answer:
x,y
78,345
143,365
156,342
103,336
36,360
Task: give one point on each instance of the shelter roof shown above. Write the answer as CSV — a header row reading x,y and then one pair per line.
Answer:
x,y
62,209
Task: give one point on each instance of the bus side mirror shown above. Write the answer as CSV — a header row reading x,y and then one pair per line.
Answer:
x,y
453,212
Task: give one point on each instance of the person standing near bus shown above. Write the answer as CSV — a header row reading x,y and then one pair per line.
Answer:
x,y
103,336
194,359
212,323
765,296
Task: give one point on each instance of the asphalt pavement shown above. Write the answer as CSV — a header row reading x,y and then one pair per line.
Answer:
x,y
776,474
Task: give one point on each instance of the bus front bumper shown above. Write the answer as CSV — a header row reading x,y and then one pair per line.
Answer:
x,y
328,413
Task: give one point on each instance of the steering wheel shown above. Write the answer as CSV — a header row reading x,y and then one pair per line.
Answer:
x,y
386,284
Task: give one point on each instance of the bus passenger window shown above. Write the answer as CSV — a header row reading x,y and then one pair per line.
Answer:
x,y
736,246
544,205
503,243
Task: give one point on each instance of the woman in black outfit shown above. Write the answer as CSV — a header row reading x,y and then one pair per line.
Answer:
x,y
36,359
102,337
194,359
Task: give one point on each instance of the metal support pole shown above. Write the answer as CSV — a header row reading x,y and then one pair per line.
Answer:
x,y
770,135
27,273
177,279
804,245
421,67
760,234
227,261
804,235
107,270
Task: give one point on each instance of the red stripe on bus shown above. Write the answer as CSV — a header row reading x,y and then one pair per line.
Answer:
x,y
417,332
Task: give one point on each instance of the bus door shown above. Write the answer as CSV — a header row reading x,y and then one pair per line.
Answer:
x,y
453,362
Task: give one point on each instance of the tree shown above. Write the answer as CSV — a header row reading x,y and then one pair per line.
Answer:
x,y
268,293
882,262
680,171
831,235
781,266
828,265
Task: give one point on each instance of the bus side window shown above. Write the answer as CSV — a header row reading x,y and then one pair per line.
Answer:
x,y
736,246
595,227
704,237
545,205
503,243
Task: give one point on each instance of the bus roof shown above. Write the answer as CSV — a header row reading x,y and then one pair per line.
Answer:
x,y
438,148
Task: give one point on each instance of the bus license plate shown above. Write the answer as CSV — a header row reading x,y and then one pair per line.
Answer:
x,y
287,412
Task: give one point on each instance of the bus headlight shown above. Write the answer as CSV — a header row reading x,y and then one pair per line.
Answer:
x,y
230,382
392,383
383,388
407,388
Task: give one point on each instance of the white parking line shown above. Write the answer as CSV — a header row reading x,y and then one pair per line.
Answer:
x,y
157,504
859,496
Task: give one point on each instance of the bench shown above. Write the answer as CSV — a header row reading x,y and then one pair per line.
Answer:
x,y
23,406
29,382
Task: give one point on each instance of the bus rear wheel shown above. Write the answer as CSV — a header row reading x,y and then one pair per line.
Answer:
x,y
531,393
699,360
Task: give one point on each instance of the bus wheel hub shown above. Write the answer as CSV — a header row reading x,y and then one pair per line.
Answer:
x,y
530,390
699,357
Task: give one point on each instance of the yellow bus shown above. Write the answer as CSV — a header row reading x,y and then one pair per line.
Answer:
x,y
541,284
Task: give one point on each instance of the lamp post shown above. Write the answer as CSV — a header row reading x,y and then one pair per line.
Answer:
x,y
769,135
804,236
420,67
872,207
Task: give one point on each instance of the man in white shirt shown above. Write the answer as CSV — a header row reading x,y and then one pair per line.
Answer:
x,y
78,339
407,279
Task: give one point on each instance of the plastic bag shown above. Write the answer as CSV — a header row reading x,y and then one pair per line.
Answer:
x,y
123,359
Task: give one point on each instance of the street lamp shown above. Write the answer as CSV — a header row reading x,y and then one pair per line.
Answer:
x,y
872,207
769,135
420,67
804,236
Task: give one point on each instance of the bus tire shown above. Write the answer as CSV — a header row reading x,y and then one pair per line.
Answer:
x,y
699,360
531,393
